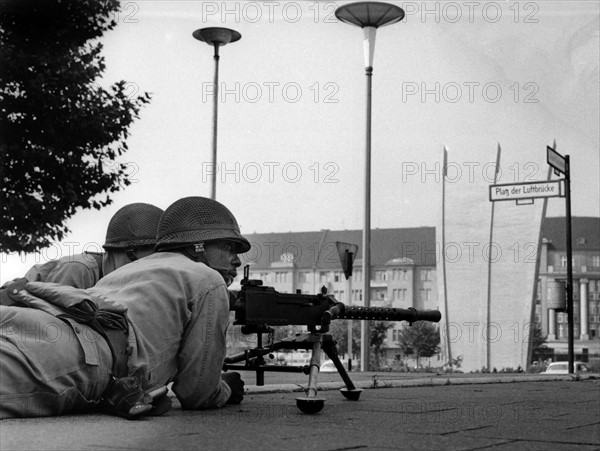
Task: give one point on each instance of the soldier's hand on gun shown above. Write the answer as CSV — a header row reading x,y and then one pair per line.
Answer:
x,y
236,384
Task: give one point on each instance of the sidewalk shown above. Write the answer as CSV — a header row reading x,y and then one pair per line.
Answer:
x,y
368,380
428,413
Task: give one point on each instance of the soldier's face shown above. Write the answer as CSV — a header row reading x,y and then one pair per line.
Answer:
x,y
222,256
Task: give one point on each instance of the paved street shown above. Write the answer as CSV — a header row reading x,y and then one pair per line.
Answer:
x,y
432,413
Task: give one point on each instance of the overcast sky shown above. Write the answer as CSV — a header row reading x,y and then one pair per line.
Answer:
x,y
466,75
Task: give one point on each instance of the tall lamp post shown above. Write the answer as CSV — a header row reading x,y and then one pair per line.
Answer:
x,y
217,37
369,16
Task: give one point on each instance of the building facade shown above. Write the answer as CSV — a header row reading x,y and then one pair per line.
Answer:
x,y
550,306
403,275
403,263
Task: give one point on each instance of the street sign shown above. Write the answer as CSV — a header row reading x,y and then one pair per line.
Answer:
x,y
527,190
347,253
556,160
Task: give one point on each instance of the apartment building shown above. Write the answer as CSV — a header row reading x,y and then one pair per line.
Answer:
x,y
403,263
551,294
403,275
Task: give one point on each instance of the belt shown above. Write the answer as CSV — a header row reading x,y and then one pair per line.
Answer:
x,y
118,342
112,326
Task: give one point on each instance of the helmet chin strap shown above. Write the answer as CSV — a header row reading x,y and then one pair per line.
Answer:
x,y
197,254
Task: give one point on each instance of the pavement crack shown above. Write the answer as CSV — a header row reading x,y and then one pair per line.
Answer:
x,y
582,426
494,445
465,430
350,447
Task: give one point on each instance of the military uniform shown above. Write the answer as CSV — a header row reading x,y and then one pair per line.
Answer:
x,y
178,312
79,271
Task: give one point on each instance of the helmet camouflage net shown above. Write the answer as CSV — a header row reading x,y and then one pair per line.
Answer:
x,y
132,226
197,220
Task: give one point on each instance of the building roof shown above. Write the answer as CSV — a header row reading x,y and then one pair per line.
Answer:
x,y
307,250
585,233
403,246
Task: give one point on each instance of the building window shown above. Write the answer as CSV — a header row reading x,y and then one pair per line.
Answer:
x,y
399,294
426,294
358,275
339,295
563,260
281,277
426,274
596,261
380,275
323,277
398,274
379,294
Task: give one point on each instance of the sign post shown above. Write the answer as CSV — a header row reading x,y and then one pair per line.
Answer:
x,y
347,253
561,165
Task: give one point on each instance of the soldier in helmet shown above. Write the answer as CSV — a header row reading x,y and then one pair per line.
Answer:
x,y
131,235
177,307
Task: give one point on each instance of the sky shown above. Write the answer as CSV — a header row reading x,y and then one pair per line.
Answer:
x,y
291,133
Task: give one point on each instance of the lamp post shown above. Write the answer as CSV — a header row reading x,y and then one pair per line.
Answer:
x,y
216,37
369,16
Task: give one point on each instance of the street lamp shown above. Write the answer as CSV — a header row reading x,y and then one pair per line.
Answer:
x,y
369,16
216,37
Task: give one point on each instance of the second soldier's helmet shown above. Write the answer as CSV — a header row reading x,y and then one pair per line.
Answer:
x,y
134,225
193,220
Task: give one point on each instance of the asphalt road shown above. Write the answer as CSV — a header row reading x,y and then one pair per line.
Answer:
x,y
507,412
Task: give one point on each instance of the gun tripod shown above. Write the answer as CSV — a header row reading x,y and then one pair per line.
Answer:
x,y
313,340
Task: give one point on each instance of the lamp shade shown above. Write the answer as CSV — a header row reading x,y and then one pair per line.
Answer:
x,y
369,14
217,35
369,35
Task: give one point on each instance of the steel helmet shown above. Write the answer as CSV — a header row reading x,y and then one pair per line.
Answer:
x,y
197,219
132,226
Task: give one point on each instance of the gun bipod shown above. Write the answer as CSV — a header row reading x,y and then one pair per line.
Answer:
x,y
314,341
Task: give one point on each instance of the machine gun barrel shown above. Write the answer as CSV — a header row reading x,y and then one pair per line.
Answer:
x,y
389,314
261,306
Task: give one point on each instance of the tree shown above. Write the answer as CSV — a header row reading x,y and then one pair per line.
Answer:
x,y
421,339
339,332
378,333
60,131
539,350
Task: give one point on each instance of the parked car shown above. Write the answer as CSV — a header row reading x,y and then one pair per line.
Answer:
x,y
328,367
563,368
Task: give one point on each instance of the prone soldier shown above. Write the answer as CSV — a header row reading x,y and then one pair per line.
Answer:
x,y
141,327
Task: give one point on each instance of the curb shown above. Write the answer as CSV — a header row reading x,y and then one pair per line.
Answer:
x,y
424,382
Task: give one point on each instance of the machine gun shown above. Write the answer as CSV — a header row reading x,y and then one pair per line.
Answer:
x,y
259,308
